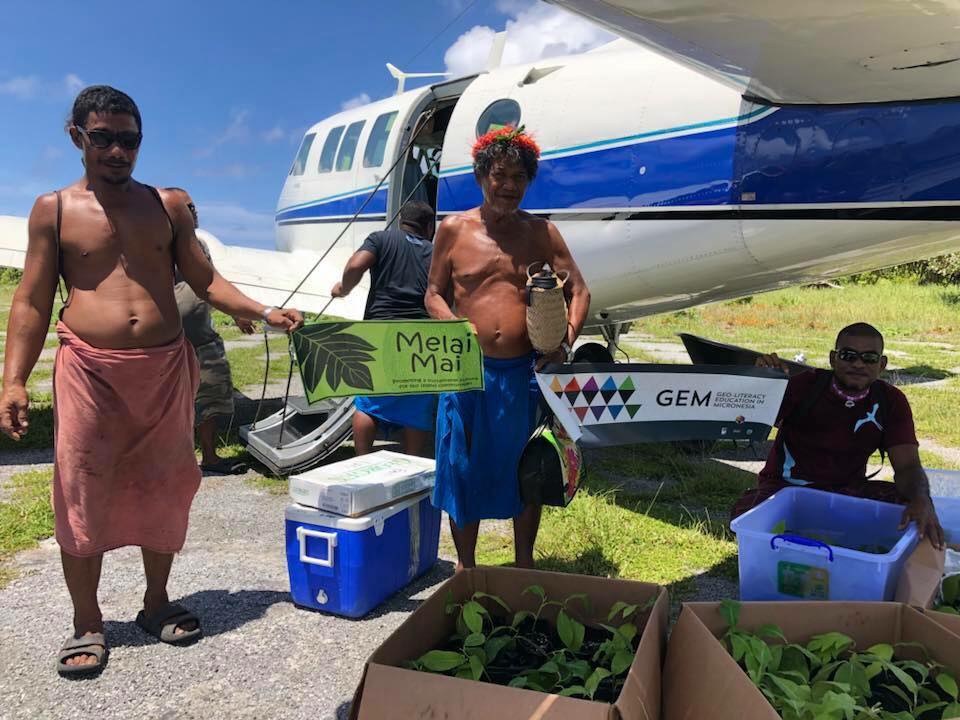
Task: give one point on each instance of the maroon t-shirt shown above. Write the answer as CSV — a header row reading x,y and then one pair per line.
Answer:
x,y
831,444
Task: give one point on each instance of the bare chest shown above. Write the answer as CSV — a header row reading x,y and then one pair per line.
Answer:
x,y
97,240
481,258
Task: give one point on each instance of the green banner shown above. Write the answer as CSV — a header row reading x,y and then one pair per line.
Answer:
x,y
387,357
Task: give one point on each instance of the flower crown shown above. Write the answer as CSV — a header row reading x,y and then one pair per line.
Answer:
x,y
506,136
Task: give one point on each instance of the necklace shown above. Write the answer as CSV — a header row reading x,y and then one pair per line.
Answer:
x,y
850,399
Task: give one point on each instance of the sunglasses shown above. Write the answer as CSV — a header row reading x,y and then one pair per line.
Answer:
x,y
849,355
102,139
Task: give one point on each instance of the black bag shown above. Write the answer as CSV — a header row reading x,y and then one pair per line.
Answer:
x,y
551,467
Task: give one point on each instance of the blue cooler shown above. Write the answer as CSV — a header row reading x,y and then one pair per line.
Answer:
x,y
823,554
348,566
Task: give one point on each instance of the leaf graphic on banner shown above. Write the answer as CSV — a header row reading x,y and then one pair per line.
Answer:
x,y
325,352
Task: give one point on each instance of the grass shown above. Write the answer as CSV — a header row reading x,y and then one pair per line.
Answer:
x,y
650,512
25,517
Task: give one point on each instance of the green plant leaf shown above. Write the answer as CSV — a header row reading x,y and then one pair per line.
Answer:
x,y
579,669
621,662
473,613
908,682
478,595
475,640
593,682
771,631
898,691
441,660
829,645
476,667
536,590
570,631
494,645
951,711
617,608
325,352
628,631
730,610
882,651
948,684
520,616
921,709
520,681
574,690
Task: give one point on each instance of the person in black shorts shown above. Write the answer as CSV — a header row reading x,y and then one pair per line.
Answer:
x,y
398,260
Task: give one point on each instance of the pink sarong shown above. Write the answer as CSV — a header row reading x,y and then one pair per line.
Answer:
x,y
125,472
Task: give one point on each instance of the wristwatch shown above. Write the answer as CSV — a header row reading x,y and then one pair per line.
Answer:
x,y
266,313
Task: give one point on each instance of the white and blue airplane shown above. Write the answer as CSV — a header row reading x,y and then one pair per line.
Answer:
x,y
720,149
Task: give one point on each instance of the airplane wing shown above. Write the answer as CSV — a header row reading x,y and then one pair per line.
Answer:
x,y
13,241
817,51
267,276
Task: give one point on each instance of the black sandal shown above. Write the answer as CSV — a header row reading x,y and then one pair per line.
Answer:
x,y
163,625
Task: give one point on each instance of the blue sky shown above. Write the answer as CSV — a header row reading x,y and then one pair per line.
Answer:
x,y
226,89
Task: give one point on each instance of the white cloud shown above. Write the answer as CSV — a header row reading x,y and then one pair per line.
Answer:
x,y
534,31
30,87
23,87
73,84
237,131
274,134
355,102
235,225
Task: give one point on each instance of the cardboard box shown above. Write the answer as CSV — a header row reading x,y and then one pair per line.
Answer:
x,y
387,690
702,680
920,583
361,484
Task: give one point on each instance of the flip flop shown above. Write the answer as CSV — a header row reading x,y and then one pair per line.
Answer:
x,y
226,466
163,625
93,644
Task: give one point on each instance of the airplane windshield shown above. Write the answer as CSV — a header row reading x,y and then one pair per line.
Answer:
x,y
300,163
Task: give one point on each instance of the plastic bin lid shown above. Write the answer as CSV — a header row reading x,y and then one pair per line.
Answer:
x,y
312,516
372,469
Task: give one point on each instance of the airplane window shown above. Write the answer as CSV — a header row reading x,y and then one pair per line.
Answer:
x,y
377,142
329,149
497,115
349,145
301,161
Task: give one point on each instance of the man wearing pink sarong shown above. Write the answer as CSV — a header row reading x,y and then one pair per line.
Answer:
x,y
125,377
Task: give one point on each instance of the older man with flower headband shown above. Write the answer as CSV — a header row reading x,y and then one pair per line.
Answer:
x,y
479,263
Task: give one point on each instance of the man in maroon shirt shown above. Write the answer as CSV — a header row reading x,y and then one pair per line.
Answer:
x,y
830,423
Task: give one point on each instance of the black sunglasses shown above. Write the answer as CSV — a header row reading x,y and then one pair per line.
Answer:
x,y
849,355
102,139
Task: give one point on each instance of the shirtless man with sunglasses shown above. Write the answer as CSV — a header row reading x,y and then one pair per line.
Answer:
x,y
832,421
125,472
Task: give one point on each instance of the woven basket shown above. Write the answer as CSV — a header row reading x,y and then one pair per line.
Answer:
x,y
546,313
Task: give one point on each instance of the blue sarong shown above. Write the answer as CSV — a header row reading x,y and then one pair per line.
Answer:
x,y
393,412
480,437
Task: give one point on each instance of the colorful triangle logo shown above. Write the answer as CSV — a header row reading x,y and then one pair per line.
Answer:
x,y
572,396
581,412
627,384
598,411
572,386
615,410
609,384
556,386
626,394
591,384
632,410
590,395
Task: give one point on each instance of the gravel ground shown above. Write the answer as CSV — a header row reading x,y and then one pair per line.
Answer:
x,y
261,656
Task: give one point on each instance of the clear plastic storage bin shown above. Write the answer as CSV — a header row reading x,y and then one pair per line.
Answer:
x,y
804,544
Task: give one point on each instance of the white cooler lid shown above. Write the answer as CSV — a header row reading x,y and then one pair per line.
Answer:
x,y
377,468
312,516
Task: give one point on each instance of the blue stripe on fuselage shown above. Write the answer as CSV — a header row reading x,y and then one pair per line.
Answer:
x,y
795,155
